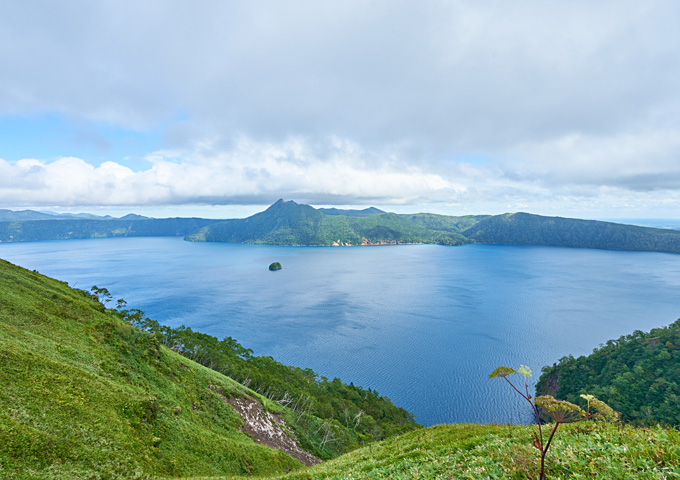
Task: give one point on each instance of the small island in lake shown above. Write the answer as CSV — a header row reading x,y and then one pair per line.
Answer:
x,y
275,266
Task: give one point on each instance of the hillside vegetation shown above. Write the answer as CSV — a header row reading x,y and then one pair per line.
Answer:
x,y
350,414
474,452
287,223
527,229
638,375
85,394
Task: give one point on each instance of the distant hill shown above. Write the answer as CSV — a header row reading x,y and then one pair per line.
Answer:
x,y
23,215
366,212
528,229
444,222
289,223
129,226
133,216
9,215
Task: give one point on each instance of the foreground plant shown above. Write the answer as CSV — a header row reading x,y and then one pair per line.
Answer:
x,y
559,410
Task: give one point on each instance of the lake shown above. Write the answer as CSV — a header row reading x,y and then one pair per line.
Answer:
x,y
421,324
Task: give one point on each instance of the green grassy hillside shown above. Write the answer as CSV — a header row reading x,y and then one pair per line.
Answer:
x,y
445,452
85,395
350,414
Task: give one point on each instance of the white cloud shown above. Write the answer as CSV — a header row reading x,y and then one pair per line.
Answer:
x,y
641,161
250,173
571,176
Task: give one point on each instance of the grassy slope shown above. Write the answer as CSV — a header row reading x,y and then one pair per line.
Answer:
x,y
475,451
85,395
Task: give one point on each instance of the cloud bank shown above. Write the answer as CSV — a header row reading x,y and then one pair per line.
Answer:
x,y
569,105
253,172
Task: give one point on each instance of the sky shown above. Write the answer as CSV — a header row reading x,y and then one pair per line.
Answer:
x,y
218,108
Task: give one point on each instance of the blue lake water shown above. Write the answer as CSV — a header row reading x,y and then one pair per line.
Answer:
x,y
421,324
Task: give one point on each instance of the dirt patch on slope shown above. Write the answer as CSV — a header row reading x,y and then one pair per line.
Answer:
x,y
266,428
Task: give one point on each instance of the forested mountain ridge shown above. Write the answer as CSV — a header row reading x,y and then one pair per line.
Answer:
x,y
638,375
528,229
288,223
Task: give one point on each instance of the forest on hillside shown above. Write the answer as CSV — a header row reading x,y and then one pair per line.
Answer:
x,y
371,416
637,375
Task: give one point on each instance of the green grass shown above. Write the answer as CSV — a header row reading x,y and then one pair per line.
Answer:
x,y
85,395
474,451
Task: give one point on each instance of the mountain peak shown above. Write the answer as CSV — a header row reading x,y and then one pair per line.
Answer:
x,y
282,203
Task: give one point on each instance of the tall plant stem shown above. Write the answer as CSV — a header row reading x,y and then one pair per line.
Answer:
x,y
538,420
543,452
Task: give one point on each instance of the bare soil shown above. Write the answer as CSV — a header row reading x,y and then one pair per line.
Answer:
x,y
266,427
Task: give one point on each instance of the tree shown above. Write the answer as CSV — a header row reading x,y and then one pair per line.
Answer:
x,y
102,294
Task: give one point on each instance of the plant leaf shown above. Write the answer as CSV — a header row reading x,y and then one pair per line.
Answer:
x,y
502,372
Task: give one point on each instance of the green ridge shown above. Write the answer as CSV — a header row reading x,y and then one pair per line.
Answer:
x,y
287,223
528,229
